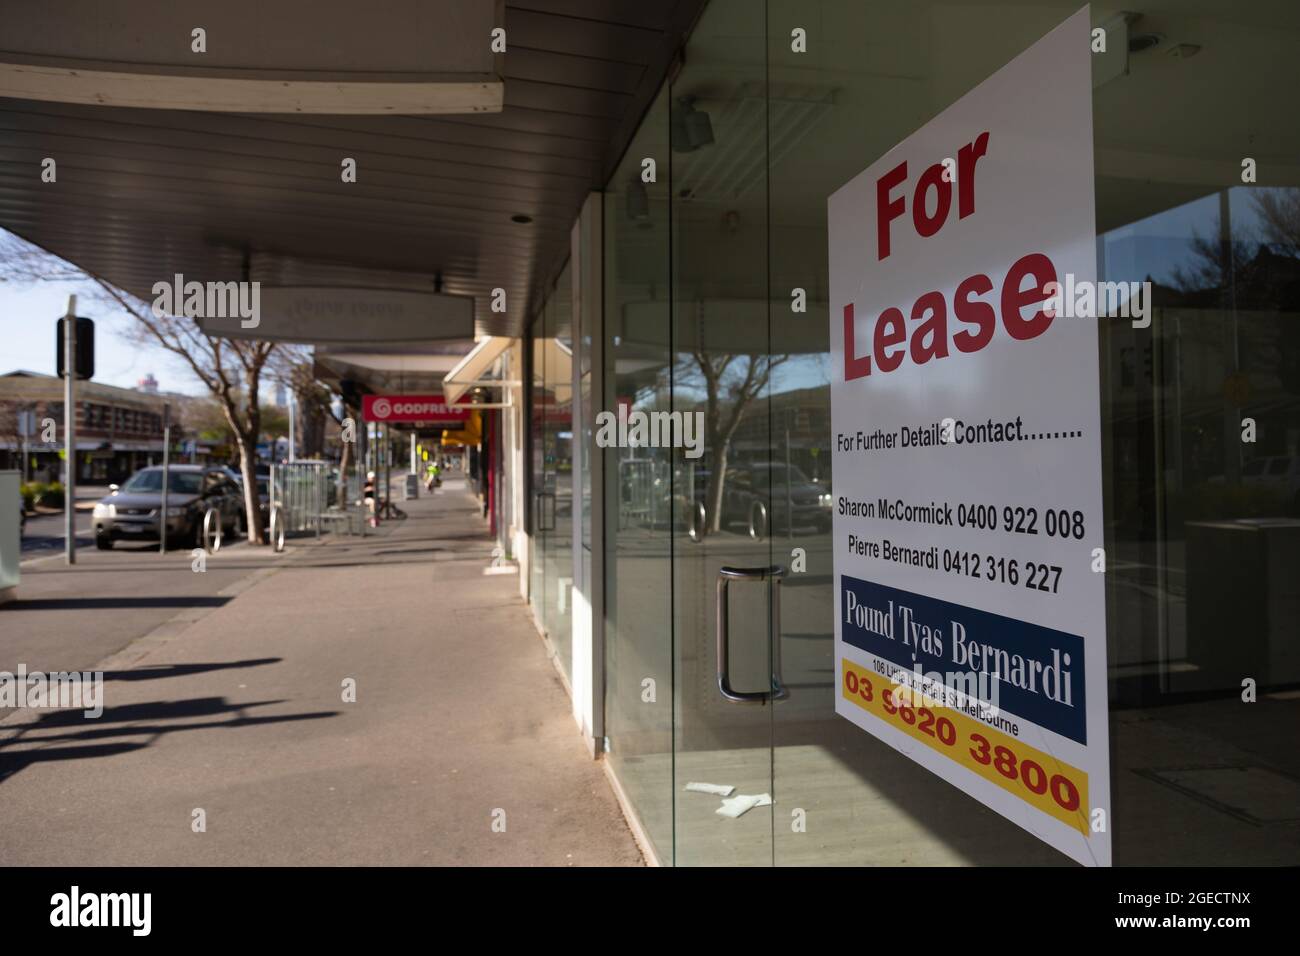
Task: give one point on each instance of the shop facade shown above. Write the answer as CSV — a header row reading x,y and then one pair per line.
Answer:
x,y
698,282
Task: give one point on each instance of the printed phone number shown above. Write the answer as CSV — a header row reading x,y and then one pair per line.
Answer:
x,y
1036,576
1058,790
1012,572
1064,523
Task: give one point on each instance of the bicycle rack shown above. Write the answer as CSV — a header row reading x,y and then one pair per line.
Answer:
x,y
695,527
212,531
277,528
758,528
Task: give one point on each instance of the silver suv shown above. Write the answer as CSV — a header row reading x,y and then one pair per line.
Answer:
x,y
130,513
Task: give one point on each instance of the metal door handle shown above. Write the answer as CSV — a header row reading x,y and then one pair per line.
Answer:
x,y
725,576
541,511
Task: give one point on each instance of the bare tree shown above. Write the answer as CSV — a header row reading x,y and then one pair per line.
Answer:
x,y
294,369
731,382
1279,212
231,369
1215,263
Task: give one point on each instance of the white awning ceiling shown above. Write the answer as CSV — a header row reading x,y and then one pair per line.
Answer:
x,y
473,367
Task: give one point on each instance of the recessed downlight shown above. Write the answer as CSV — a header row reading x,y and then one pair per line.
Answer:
x,y
1141,42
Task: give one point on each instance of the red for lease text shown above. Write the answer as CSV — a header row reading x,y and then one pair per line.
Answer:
x,y
932,336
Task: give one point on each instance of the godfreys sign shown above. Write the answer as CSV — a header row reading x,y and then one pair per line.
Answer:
x,y
409,409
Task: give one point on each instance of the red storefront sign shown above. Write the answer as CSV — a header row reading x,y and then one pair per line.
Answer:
x,y
410,408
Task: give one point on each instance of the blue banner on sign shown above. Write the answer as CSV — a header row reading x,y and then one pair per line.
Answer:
x,y
1039,671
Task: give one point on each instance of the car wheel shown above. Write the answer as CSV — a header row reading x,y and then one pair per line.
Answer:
x,y
103,542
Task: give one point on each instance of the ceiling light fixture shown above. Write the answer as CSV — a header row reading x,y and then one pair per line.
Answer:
x,y
1141,42
689,128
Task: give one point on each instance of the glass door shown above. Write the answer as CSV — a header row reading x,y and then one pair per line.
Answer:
x,y
724,484
638,549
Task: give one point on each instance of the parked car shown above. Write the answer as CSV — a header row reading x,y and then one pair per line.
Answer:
x,y
1281,472
683,496
790,497
130,513
261,469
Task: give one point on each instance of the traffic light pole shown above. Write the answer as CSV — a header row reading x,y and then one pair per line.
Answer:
x,y
166,478
70,432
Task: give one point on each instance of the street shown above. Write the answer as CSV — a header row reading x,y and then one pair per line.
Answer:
x,y
44,534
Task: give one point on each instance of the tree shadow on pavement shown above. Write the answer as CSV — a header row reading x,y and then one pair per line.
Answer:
x,y
153,720
161,671
110,603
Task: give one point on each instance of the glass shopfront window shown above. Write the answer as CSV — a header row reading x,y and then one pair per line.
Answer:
x,y
638,513
551,439
1202,528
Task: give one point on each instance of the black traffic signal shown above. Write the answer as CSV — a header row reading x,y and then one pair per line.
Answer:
x,y
85,348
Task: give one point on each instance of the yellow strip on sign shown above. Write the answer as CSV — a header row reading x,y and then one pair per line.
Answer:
x,y
1039,779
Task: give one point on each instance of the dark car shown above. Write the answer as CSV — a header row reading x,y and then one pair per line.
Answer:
x,y
130,513
261,469
263,473
788,497
263,499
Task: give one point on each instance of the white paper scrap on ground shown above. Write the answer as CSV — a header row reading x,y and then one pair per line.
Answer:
x,y
742,803
714,788
737,805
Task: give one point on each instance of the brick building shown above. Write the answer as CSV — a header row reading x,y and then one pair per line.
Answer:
x,y
118,429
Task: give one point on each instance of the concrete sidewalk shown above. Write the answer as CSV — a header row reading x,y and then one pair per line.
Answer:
x,y
459,722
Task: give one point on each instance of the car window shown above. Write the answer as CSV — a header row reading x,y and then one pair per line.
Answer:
x,y
150,479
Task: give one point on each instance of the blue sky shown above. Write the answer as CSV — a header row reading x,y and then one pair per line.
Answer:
x,y
28,312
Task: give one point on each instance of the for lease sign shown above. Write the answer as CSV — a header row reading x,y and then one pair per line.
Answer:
x,y
970,632
410,408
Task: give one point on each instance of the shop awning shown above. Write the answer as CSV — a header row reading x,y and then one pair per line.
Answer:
x,y
474,367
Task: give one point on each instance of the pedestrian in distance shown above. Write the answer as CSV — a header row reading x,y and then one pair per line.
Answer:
x,y
368,494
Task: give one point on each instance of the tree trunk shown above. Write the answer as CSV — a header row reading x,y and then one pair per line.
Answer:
x,y
313,429
716,486
310,425
252,503
345,462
